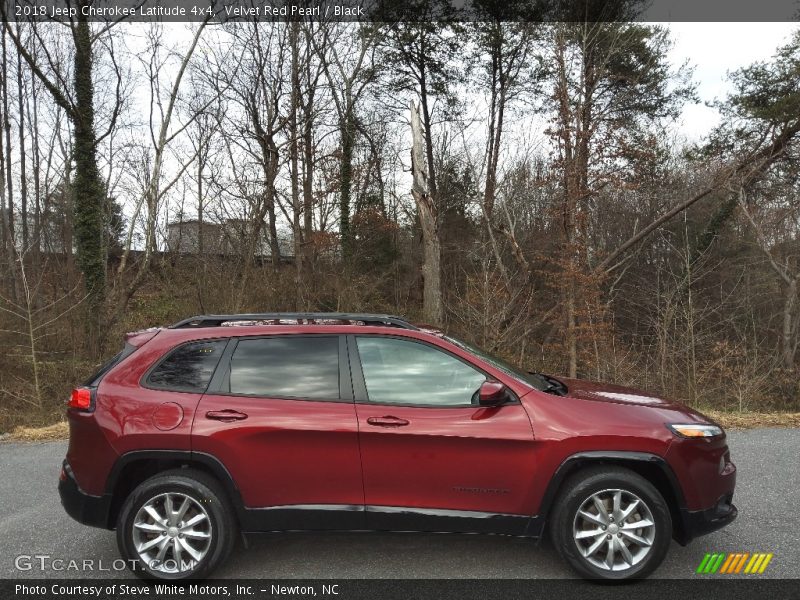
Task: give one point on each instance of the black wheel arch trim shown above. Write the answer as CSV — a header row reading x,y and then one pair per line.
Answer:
x,y
614,457
212,463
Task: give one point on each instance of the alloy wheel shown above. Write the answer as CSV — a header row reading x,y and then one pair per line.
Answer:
x,y
172,533
614,530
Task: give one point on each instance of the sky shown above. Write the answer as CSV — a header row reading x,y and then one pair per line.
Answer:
x,y
714,49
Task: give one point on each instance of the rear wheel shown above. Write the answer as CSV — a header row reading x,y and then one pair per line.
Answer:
x,y
611,524
176,525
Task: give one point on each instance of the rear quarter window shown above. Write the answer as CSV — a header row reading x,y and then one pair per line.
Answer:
x,y
188,368
94,378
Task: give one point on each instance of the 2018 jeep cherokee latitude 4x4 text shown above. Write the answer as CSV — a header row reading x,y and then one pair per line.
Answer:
x,y
288,421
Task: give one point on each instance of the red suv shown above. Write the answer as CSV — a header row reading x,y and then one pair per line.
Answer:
x,y
273,422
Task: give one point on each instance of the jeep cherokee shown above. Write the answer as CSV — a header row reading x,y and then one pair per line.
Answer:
x,y
223,424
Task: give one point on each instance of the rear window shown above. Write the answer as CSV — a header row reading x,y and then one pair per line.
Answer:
x,y
188,368
291,367
94,378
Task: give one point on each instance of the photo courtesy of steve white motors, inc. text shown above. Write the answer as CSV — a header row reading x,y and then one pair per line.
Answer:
x,y
140,590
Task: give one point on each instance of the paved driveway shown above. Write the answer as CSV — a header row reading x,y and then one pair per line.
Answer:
x,y
32,522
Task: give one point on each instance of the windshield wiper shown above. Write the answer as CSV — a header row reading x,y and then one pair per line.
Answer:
x,y
553,385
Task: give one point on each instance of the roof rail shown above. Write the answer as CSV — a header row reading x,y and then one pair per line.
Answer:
x,y
367,319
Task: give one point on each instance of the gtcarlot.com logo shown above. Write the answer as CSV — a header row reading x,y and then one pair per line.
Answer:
x,y
731,563
46,562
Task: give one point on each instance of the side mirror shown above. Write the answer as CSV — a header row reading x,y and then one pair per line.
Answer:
x,y
492,393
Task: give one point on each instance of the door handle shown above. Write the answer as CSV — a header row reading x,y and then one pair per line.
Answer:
x,y
226,416
387,421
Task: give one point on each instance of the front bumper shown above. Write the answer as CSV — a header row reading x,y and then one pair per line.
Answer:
x,y
707,481
83,507
700,522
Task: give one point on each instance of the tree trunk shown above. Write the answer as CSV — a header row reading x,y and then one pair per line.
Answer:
x,y
7,158
88,185
293,163
23,178
572,333
274,246
307,248
348,134
272,162
33,121
428,136
7,205
266,209
431,267
68,237
787,338
269,166
200,222
432,304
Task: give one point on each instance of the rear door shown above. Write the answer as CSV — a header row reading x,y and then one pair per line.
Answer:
x,y
279,415
432,458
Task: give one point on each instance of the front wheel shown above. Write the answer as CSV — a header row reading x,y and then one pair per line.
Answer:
x,y
611,524
176,525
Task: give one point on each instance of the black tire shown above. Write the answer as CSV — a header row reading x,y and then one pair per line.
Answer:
x,y
204,490
606,480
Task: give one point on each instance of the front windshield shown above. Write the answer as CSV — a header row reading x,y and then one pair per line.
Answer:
x,y
533,379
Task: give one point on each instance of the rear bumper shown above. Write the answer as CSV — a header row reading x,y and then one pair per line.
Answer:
x,y
701,522
83,507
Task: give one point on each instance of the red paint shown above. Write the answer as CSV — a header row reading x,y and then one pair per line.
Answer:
x,y
168,416
492,459
451,458
285,452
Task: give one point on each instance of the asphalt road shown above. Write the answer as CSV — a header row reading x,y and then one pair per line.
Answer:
x,y
32,523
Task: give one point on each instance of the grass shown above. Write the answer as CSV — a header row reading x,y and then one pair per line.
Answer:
x,y
753,420
57,431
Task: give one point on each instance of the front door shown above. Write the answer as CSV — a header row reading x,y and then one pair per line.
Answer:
x,y
280,417
433,459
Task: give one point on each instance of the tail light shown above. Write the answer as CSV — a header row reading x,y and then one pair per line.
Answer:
x,y
81,399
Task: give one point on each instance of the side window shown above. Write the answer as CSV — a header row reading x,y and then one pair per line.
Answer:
x,y
188,368
286,366
404,372
95,377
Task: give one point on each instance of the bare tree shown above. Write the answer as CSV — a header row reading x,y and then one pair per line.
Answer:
x,y
162,134
78,101
253,132
347,55
35,320
432,304
780,249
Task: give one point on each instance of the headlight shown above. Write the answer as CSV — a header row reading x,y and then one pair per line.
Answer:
x,y
694,430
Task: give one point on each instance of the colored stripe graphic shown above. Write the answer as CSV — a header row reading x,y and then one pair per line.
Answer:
x,y
741,562
711,566
718,564
733,563
711,562
727,564
757,565
752,562
764,564
703,563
